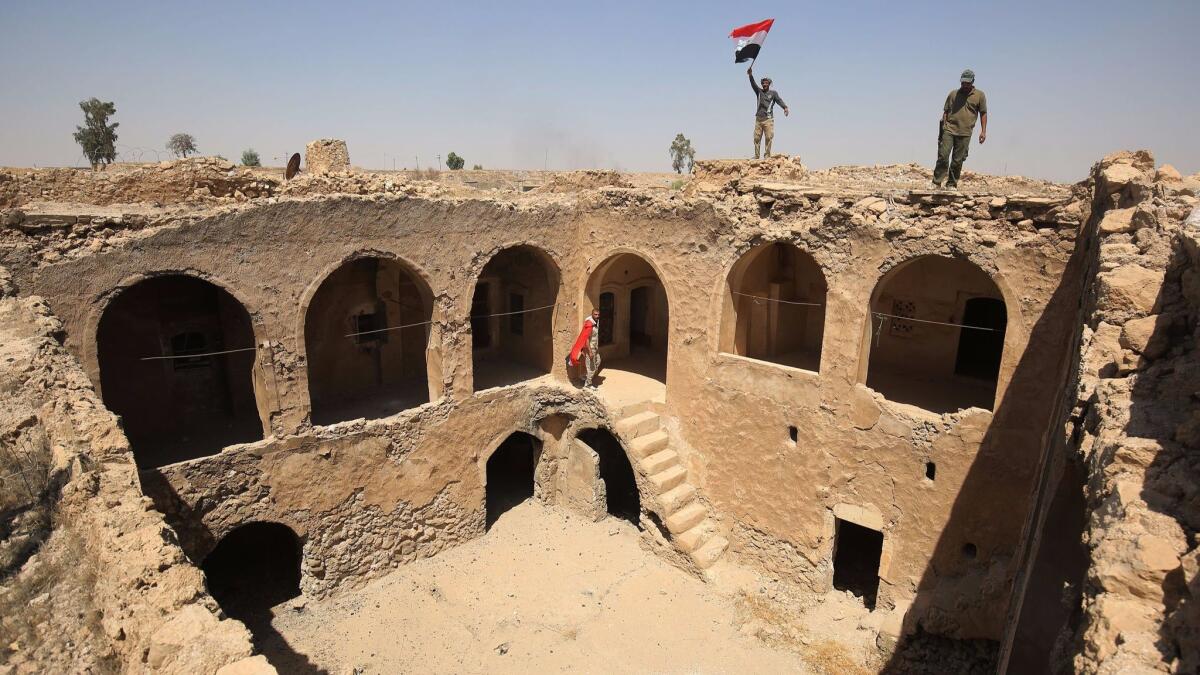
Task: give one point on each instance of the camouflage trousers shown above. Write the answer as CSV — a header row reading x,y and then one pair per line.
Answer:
x,y
591,362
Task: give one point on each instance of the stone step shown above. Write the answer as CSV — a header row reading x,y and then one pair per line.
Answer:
x,y
632,409
677,497
660,461
686,518
644,446
697,536
668,478
640,424
710,552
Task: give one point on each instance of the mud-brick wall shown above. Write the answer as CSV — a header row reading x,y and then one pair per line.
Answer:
x,y
859,456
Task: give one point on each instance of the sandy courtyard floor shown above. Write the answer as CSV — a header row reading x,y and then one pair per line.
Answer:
x,y
543,591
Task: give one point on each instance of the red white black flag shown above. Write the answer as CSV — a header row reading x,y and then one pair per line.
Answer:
x,y
748,40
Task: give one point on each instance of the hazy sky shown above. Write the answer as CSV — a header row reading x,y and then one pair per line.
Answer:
x,y
602,84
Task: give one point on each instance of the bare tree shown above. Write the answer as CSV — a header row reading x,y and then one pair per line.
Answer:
x,y
182,145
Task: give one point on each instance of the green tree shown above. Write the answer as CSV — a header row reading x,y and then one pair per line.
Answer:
x,y
250,158
477,167
682,154
454,161
182,145
97,137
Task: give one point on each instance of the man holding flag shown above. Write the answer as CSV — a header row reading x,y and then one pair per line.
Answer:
x,y
748,41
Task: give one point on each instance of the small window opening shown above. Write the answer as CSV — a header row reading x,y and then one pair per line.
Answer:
x,y
930,470
969,551
364,324
516,321
857,551
794,434
189,343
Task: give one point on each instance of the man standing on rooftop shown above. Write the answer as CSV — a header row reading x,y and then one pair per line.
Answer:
x,y
963,106
764,117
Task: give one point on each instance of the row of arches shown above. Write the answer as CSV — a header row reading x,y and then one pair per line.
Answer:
x,y
935,338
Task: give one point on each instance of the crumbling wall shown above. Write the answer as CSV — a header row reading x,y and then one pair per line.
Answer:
x,y
326,155
108,589
1136,426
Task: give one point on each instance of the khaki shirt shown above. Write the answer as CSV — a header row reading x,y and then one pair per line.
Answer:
x,y
962,110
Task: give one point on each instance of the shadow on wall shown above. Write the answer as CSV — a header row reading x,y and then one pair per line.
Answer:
x,y
965,590
1163,408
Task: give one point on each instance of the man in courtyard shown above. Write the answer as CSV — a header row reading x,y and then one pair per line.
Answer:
x,y
764,117
963,106
587,347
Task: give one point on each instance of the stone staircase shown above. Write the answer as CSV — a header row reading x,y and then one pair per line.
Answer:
x,y
684,516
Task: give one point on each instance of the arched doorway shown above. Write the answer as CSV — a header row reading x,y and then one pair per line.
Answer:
x,y
187,401
774,307
621,496
635,316
512,317
510,474
254,568
366,334
936,337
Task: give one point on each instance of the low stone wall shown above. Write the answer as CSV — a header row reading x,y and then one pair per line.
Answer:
x,y
109,589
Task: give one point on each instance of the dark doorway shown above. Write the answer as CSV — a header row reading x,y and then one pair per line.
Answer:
x,y
608,312
979,351
193,402
856,554
639,310
252,569
620,485
510,474
481,325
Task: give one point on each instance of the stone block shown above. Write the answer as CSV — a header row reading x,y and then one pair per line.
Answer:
x,y
1139,335
1129,291
326,155
1116,221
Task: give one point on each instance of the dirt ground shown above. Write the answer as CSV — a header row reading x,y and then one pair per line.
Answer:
x,y
543,591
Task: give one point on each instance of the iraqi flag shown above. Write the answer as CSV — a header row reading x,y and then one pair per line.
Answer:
x,y
748,40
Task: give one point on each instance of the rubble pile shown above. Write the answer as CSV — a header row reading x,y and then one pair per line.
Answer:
x,y
185,180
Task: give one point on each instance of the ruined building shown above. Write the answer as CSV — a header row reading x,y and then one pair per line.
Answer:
x,y
976,411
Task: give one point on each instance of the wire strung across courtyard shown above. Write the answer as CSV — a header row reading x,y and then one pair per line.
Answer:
x,y
365,332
